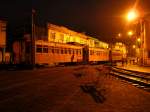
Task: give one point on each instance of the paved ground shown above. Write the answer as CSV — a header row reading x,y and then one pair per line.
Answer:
x,y
58,90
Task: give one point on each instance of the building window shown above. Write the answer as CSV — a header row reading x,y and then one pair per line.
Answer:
x,y
53,34
61,37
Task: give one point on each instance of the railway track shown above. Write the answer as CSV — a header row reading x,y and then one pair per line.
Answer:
x,y
138,79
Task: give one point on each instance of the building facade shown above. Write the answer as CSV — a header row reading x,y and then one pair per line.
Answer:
x,y
62,34
2,40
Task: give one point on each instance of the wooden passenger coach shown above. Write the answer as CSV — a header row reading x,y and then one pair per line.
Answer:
x,y
55,53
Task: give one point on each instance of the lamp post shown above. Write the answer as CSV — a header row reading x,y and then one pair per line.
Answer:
x,y
141,35
133,17
33,40
130,33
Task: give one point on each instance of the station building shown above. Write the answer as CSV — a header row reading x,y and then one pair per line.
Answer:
x,y
62,34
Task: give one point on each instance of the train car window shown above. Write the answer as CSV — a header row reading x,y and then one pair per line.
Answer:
x,y
65,51
62,51
69,51
45,46
52,50
100,53
91,52
39,48
80,52
57,50
94,52
77,51
45,50
49,49
97,53
72,51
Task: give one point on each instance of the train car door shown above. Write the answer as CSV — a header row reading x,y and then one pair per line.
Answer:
x,y
85,54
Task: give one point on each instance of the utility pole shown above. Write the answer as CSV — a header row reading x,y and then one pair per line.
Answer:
x,y
33,40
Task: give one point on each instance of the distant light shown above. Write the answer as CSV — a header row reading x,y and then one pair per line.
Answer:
x,y
132,15
134,46
139,40
130,33
119,34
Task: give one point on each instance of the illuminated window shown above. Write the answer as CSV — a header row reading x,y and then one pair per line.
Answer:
x,y
61,37
53,35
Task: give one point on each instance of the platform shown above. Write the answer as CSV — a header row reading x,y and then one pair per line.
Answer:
x,y
134,67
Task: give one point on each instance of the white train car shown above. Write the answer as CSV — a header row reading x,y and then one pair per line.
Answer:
x,y
55,53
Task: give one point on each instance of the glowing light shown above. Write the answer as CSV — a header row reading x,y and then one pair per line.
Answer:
x,y
119,34
139,40
130,33
132,15
134,46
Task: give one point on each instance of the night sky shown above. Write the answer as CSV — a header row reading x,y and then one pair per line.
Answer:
x,y
100,18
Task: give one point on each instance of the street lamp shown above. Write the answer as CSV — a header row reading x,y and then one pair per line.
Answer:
x,y
130,33
142,34
132,15
119,34
139,40
134,46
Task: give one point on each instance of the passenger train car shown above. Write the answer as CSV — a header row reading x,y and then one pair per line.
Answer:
x,y
53,53
58,53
